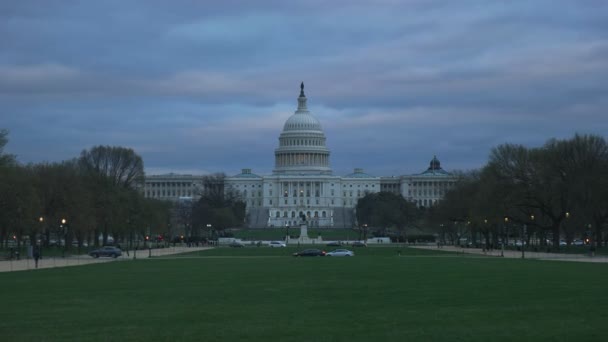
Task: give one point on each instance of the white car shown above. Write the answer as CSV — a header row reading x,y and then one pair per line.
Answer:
x,y
276,244
341,252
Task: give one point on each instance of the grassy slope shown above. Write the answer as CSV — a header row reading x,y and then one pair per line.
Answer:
x,y
375,295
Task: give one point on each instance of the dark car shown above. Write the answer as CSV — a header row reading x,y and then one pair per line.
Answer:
x,y
335,244
236,244
359,244
107,251
310,252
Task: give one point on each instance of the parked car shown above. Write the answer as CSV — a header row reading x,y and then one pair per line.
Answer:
x,y
106,251
310,252
341,252
276,244
578,242
334,244
359,244
236,244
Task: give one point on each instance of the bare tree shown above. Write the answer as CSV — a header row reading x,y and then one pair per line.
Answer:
x,y
120,165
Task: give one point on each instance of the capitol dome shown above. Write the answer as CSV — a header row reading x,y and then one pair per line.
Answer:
x,y
302,147
299,122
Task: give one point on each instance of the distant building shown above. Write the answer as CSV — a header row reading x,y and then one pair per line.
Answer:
x,y
173,186
302,182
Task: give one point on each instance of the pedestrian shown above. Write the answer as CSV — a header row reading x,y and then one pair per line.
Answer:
x,y
36,255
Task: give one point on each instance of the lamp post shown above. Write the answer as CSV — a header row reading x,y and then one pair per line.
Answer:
x,y
286,233
589,240
41,220
523,241
566,228
485,234
64,230
209,227
504,230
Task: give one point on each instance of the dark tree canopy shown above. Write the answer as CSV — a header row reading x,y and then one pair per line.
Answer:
x,y
5,159
119,165
384,210
558,190
219,207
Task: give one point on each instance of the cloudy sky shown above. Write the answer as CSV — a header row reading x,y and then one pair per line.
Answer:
x,y
206,86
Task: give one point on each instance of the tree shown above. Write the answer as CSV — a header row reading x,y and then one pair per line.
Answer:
x,y
219,207
560,187
19,204
63,194
5,159
386,210
119,165
112,173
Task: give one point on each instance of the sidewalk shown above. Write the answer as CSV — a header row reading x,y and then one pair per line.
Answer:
x,y
76,260
517,254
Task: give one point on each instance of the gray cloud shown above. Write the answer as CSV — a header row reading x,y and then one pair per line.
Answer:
x,y
207,86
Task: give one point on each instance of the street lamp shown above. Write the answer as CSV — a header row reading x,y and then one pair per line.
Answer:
x,y
286,233
485,234
64,230
589,240
567,215
504,230
41,220
209,227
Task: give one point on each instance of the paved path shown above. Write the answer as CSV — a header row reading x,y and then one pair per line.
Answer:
x,y
76,260
517,254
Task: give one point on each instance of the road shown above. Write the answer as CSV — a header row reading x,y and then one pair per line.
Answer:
x,y
77,260
517,254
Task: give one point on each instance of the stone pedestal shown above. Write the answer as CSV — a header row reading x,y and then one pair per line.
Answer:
x,y
304,231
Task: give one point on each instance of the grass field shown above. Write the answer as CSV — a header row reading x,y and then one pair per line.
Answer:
x,y
263,294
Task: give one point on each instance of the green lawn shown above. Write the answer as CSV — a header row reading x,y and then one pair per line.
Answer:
x,y
263,294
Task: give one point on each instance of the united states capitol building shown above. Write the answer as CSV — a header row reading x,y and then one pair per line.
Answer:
x,y
302,182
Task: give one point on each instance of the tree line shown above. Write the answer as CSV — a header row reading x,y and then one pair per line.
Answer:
x,y
94,195
213,212
535,194
98,195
